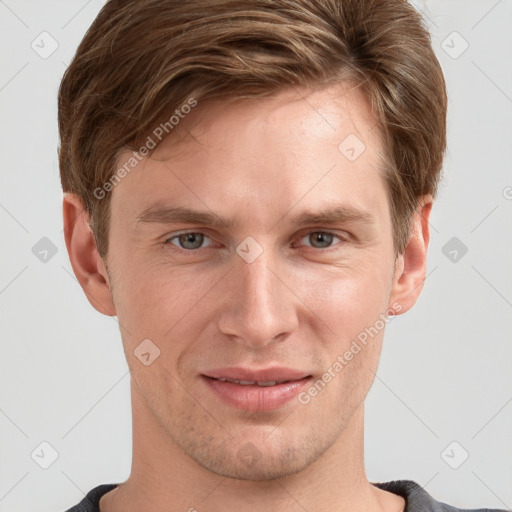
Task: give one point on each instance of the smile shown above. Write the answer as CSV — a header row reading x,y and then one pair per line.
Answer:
x,y
255,395
253,382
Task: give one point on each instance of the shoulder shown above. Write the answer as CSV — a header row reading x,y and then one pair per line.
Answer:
x,y
91,501
418,499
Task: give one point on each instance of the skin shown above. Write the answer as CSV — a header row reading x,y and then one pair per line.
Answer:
x,y
299,304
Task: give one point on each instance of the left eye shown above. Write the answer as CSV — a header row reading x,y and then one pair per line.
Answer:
x,y
323,239
188,241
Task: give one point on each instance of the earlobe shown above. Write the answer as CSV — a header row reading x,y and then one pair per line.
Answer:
x,y
85,259
411,265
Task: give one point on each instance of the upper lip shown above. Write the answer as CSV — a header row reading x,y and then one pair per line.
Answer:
x,y
270,374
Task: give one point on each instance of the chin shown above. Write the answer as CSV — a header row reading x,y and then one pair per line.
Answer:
x,y
260,470
257,460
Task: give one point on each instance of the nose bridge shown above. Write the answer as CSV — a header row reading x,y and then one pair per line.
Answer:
x,y
258,308
258,287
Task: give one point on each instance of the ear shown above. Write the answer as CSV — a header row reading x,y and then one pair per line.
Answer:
x,y
411,265
86,261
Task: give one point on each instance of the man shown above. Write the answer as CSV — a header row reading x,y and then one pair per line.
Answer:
x,y
247,187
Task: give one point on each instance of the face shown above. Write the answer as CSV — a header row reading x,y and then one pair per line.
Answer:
x,y
301,266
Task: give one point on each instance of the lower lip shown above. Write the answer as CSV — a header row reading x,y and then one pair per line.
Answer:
x,y
254,397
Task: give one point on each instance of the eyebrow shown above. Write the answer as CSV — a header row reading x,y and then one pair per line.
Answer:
x,y
182,215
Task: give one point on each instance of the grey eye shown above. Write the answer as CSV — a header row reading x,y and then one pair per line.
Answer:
x,y
190,240
322,239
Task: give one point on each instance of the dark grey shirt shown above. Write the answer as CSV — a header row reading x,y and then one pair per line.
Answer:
x,y
416,498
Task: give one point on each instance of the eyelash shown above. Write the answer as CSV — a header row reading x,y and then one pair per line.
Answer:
x,y
193,251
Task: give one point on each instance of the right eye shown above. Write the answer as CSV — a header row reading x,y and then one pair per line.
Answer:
x,y
190,241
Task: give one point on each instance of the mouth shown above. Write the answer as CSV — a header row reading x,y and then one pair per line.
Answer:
x,y
269,390
267,383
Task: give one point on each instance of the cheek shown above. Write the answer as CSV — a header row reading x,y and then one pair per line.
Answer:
x,y
348,301
154,301
353,307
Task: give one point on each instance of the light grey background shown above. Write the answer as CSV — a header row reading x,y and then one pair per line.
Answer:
x,y
445,373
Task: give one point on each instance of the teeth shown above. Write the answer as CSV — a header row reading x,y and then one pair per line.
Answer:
x,y
268,383
252,382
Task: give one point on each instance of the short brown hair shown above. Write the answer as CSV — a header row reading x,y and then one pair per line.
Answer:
x,y
142,59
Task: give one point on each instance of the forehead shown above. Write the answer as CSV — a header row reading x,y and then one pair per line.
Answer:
x,y
313,112
272,152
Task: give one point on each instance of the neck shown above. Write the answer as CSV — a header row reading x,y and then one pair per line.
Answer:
x,y
164,478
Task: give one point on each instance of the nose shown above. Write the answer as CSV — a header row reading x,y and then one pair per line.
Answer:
x,y
258,305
